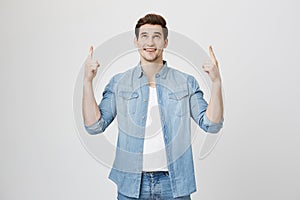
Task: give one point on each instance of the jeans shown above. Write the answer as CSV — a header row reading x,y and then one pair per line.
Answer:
x,y
154,186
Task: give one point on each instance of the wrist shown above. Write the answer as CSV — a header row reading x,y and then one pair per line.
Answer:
x,y
217,82
87,81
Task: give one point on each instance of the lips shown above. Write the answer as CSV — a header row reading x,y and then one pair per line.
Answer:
x,y
150,49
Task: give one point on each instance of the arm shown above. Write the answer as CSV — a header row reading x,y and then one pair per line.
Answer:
x,y
208,116
199,109
214,110
90,110
215,107
96,117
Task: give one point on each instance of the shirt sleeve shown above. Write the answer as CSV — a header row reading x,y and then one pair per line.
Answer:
x,y
107,109
198,107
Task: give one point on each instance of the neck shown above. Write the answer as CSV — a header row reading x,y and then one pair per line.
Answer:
x,y
151,68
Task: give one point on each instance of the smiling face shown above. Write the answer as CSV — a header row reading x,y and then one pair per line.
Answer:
x,y
150,43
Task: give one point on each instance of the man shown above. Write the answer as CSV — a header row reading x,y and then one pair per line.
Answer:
x,y
153,162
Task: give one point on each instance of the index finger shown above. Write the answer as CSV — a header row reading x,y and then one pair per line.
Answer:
x,y
91,52
212,55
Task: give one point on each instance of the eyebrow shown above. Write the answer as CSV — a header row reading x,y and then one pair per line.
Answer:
x,y
143,33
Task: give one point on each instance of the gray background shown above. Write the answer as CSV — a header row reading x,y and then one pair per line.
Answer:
x,y
44,43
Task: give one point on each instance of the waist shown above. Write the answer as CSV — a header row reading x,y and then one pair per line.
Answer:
x,y
155,173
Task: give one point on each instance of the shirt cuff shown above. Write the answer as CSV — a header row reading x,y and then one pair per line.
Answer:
x,y
212,127
96,127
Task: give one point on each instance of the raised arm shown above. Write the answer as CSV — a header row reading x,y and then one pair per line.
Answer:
x,y
90,110
214,110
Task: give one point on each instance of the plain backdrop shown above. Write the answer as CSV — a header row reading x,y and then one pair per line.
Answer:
x,y
44,44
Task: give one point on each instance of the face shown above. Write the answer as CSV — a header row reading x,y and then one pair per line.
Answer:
x,y
151,43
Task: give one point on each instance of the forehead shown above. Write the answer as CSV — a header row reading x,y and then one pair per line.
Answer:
x,y
150,28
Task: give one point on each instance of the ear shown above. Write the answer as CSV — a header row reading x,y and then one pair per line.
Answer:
x,y
135,42
166,43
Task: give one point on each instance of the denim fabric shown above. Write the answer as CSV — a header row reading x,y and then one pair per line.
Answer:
x,y
180,99
154,186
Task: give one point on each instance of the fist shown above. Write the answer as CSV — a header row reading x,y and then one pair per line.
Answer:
x,y
91,66
211,67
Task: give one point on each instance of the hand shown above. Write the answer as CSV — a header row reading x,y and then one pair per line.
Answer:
x,y
211,67
91,66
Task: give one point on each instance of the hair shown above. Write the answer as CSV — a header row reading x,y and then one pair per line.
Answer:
x,y
153,19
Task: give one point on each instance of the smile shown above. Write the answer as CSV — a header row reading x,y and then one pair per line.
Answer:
x,y
150,49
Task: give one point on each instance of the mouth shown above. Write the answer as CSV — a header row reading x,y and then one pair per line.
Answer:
x,y
150,50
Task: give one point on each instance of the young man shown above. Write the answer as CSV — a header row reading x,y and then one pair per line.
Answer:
x,y
153,160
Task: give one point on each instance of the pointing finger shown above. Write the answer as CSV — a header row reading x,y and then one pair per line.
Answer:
x,y
91,52
212,56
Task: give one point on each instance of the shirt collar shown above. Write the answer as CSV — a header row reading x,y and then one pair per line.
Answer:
x,y
162,72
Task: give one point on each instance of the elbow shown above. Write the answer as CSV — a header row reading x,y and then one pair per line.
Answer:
x,y
93,131
211,127
214,129
95,128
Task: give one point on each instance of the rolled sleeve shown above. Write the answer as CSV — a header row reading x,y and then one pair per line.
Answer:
x,y
211,127
97,127
198,107
107,108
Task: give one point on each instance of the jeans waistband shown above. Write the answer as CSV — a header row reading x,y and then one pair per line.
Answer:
x,y
155,173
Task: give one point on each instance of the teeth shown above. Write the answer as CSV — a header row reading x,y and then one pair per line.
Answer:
x,y
149,49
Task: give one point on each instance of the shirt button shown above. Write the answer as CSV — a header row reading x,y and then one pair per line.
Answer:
x,y
156,75
145,100
143,117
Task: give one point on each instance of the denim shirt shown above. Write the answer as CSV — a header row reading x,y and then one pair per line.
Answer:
x,y
179,100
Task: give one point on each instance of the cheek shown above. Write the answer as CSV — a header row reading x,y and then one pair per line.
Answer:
x,y
140,50
160,44
141,44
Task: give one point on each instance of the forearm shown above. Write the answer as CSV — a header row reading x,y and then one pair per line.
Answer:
x,y
90,110
214,110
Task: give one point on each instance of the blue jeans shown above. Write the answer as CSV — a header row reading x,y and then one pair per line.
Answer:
x,y
154,186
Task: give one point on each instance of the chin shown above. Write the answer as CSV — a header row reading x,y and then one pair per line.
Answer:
x,y
150,58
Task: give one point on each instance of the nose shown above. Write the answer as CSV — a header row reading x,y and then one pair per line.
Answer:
x,y
150,41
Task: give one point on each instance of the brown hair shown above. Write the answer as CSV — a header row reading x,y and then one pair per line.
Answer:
x,y
153,19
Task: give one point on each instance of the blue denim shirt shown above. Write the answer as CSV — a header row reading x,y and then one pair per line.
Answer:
x,y
179,100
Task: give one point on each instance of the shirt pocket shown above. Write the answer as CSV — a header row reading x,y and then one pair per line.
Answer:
x,y
127,101
178,101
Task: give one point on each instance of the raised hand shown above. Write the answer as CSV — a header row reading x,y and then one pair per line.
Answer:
x,y
211,67
91,66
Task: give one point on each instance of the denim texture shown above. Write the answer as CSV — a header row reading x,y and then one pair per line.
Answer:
x,y
180,99
154,186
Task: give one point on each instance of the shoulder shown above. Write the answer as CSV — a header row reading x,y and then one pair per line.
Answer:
x,y
182,79
180,75
120,77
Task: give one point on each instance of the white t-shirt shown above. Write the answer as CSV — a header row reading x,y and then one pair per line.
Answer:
x,y
154,146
